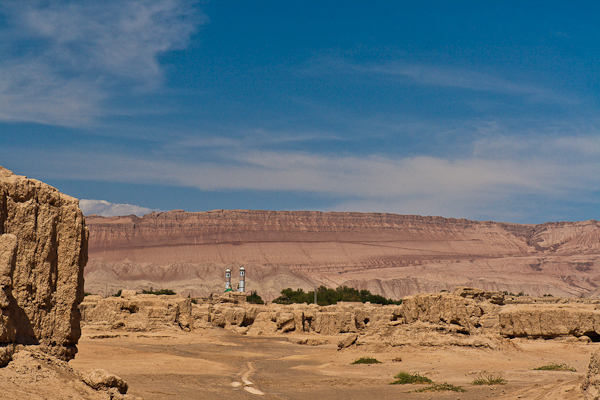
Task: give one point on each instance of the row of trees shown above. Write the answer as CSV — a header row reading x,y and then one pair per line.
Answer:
x,y
326,296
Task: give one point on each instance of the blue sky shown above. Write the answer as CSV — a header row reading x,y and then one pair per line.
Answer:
x,y
479,110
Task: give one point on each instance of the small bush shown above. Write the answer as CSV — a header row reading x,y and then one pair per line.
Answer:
x,y
118,294
555,367
439,387
254,298
366,360
485,378
158,292
514,295
404,378
86,294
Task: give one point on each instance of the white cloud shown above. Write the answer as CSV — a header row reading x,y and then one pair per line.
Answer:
x,y
62,59
106,209
497,180
369,176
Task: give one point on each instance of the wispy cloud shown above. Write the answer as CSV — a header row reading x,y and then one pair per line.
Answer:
x,y
497,180
477,181
438,76
249,139
107,209
63,59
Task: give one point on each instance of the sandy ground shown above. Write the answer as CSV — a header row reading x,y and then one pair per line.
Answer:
x,y
216,364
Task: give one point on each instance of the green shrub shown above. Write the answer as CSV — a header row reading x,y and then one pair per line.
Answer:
x,y
485,378
254,298
404,378
326,296
118,294
158,292
439,387
366,360
555,367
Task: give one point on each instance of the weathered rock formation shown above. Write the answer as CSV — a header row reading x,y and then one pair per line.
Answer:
x,y
466,317
33,374
43,250
591,383
458,314
391,255
551,320
138,313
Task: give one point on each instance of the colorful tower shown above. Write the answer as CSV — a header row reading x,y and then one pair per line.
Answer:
x,y
242,285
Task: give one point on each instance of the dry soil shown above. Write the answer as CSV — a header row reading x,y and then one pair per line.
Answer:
x,y
216,363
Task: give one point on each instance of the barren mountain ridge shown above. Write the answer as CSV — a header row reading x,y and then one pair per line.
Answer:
x,y
389,254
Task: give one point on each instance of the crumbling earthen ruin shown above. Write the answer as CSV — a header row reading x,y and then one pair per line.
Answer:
x,y
43,250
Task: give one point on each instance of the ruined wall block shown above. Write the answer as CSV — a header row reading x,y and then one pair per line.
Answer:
x,y
42,276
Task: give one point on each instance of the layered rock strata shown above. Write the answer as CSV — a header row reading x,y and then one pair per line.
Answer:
x,y
43,251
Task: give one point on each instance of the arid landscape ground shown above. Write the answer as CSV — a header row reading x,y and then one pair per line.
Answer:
x,y
216,363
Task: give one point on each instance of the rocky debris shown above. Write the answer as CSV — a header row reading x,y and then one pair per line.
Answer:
x,y
347,341
550,321
34,374
478,294
43,251
99,379
591,383
312,342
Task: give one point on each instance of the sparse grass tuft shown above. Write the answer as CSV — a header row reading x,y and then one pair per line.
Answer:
x,y
440,387
404,378
555,367
366,360
485,378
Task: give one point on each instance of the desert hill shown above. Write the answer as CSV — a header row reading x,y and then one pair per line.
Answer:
x,y
392,255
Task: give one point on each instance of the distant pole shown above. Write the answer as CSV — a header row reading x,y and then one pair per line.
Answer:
x,y
315,295
105,289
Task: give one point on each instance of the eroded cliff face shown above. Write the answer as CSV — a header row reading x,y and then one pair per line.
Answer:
x,y
43,250
388,254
